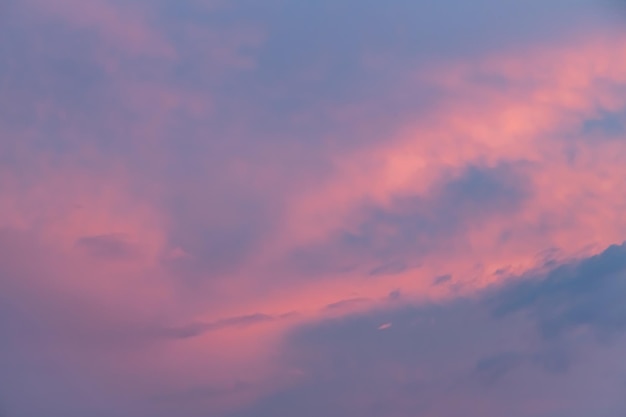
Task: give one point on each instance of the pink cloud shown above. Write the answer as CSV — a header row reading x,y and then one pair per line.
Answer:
x,y
123,28
71,217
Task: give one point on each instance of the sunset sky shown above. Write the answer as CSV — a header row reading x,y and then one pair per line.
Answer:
x,y
312,208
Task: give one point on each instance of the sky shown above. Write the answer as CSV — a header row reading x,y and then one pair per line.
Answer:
x,y
341,208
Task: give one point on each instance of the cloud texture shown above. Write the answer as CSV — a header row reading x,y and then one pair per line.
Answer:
x,y
355,209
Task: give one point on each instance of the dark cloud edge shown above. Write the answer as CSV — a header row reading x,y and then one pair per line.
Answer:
x,y
529,324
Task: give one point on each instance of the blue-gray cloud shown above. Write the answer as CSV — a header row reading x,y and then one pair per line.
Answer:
x,y
586,294
398,237
471,357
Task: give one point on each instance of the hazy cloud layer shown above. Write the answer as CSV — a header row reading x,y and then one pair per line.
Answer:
x,y
302,208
